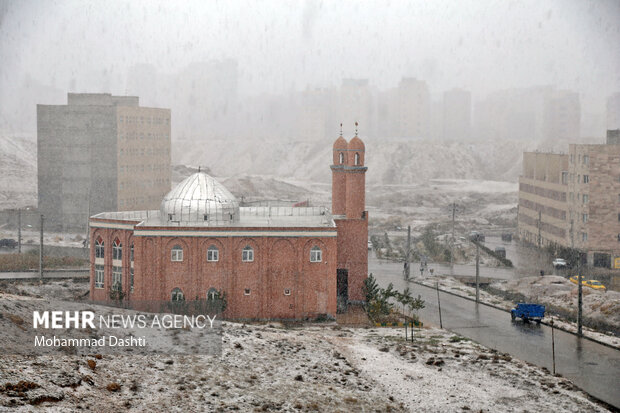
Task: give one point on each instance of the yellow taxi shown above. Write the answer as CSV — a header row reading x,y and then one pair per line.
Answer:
x,y
594,284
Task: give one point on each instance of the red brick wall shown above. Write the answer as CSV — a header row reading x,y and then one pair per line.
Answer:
x,y
339,190
279,263
356,193
353,253
108,236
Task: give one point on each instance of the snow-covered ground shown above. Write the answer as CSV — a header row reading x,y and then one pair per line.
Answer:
x,y
267,367
61,239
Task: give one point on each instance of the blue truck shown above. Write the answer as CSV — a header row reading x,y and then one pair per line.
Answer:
x,y
527,312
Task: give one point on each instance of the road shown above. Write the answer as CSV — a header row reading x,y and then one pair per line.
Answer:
x,y
593,367
47,274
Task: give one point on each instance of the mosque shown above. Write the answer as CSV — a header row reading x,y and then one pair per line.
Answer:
x,y
270,262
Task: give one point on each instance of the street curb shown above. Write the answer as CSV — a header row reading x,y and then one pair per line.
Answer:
x,y
508,311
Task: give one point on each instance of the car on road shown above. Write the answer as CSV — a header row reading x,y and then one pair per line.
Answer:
x,y
573,279
595,284
8,243
527,312
476,236
500,252
560,263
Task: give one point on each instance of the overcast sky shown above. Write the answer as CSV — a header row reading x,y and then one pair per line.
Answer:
x,y
478,45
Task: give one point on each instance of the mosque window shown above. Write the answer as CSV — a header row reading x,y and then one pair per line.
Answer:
x,y
99,248
212,294
287,291
213,254
98,276
117,250
177,253
316,255
246,291
117,278
247,255
177,295
341,158
357,158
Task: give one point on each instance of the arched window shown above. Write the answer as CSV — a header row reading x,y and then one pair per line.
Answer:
x,y
177,295
357,158
177,253
99,248
247,255
212,294
131,253
316,255
117,250
341,158
213,254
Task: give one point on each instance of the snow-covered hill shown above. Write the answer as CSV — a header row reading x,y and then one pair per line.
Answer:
x,y
393,161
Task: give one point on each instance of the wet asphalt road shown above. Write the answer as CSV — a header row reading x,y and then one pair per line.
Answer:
x,y
591,366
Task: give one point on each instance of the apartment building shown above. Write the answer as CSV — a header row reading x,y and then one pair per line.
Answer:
x,y
574,200
98,153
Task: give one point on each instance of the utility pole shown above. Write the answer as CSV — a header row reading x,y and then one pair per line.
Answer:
x,y
41,250
552,344
439,304
452,243
19,231
579,296
477,272
539,230
408,253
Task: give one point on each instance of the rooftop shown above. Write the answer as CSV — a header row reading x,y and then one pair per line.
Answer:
x,y
249,217
201,201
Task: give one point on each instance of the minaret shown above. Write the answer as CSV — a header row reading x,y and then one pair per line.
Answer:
x,y
355,179
338,175
351,217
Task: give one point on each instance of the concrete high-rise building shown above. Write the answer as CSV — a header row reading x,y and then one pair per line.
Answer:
x,y
613,111
99,153
562,115
574,200
456,114
413,105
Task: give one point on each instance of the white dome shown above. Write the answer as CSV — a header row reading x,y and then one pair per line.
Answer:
x,y
199,200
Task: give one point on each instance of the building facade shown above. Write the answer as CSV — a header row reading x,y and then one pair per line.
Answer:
x,y
574,200
543,207
269,262
456,115
93,152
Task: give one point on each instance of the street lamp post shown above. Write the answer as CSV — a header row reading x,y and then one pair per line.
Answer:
x,y
19,231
